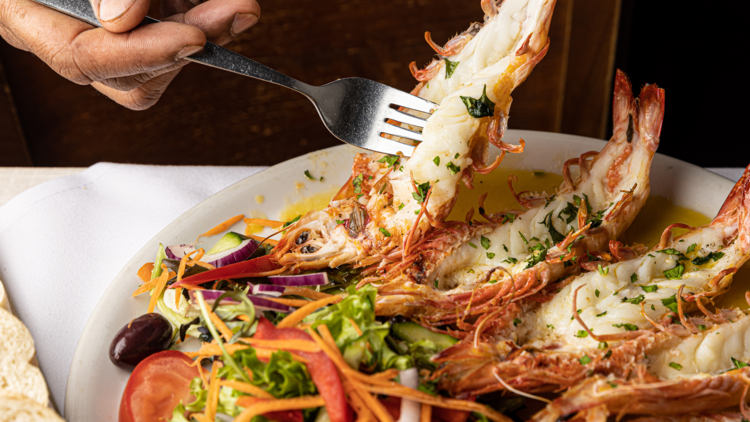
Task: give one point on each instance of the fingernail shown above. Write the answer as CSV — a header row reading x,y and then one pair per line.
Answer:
x,y
188,50
113,9
243,21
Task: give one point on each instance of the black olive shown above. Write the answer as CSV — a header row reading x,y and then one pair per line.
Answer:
x,y
302,238
139,339
308,249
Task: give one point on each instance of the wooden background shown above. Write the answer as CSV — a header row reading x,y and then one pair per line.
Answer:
x,y
213,117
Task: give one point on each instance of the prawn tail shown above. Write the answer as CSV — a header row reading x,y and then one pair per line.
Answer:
x,y
736,208
623,107
651,115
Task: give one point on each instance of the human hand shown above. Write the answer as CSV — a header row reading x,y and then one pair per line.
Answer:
x,y
132,66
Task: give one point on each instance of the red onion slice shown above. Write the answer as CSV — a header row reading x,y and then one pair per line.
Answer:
x,y
260,303
317,279
268,290
228,257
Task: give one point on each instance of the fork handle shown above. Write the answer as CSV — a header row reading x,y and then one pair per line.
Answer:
x,y
212,54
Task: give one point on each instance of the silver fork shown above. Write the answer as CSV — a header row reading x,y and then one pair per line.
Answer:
x,y
355,110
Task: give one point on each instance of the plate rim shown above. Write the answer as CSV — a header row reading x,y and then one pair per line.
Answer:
x,y
74,372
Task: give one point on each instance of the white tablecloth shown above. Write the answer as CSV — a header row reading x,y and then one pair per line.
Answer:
x,y
62,242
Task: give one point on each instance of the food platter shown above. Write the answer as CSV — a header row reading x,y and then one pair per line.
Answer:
x,y
95,385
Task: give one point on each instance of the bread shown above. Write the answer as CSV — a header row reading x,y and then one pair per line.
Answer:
x,y
18,374
17,408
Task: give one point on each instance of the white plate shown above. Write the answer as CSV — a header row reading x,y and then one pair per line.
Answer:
x,y
95,385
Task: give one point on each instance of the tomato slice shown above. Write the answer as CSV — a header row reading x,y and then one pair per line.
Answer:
x,y
156,386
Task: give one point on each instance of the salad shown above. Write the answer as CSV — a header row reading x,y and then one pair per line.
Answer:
x,y
296,348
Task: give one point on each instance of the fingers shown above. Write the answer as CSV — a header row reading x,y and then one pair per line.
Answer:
x,y
221,20
100,55
120,15
142,97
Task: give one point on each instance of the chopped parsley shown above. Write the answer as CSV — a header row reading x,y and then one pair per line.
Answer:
x,y
602,345
739,364
505,247
436,160
596,292
385,232
453,168
556,236
550,326
510,260
472,245
450,67
538,253
671,303
585,360
485,242
401,206
691,248
390,160
292,221
607,356
481,107
675,365
626,326
523,237
339,222
571,210
509,217
582,334
357,183
421,192
490,255
678,256
633,278
650,289
701,327
516,321
675,273
603,271
635,301
308,175
457,155
601,314
715,256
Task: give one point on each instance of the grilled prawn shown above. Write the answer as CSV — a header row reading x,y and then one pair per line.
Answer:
x,y
551,238
606,321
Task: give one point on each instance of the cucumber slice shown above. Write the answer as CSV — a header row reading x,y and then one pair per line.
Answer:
x,y
412,332
229,241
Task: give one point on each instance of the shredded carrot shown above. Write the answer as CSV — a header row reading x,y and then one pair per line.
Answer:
x,y
297,303
246,388
181,273
163,278
200,417
256,409
296,345
203,376
297,316
356,327
223,226
191,287
205,265
243,317
212,349
144,273
146,287
425,415
221,326
308,293
363,413
399,390
263,222
262,239
212,401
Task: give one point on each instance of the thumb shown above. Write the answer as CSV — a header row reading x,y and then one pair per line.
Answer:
x,y
120,15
